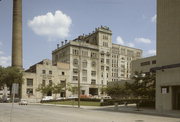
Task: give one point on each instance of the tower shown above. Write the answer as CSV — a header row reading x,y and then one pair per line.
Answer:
x,y
17,34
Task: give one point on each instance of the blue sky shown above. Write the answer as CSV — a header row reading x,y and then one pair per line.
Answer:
x,y
133,23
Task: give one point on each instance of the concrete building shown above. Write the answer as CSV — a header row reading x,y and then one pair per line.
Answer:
x,y
168,55
101,60
167,65
144,64
44,73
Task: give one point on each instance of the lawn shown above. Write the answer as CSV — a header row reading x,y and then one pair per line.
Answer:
x,y
84,103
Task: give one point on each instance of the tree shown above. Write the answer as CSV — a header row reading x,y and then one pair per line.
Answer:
x,y
57,88
117,90
44,89
9,76
143,85
73,89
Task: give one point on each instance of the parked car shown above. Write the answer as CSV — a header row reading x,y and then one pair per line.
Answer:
x,y
47,98
60,98
72,97
23,102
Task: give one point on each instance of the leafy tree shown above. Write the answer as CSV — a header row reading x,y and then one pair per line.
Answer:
x,y
44,89
56,89
9,76
117,90
73,89
143,85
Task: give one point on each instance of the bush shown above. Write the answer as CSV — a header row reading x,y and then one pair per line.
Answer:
x,y
147,103
142,102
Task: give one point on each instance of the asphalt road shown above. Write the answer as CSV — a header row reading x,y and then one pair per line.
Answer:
x,y
42,113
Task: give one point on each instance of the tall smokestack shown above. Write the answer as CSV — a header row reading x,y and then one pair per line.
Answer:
x,y
17,34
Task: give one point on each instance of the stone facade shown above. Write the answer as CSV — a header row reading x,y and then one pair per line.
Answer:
x,y
101,60
44,73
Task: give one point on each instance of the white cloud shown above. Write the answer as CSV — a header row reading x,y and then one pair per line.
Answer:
x,y
119,40
143,40
5,61
52,26
1,52
153,19
151,52
130,45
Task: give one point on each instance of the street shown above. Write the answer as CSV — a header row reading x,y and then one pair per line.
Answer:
x,y
44,113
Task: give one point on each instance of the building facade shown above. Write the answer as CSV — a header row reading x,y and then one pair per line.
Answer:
x,y
44,73
167,65
168,55
144,65
97,58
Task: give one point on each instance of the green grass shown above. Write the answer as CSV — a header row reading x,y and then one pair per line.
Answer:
x,y
84,103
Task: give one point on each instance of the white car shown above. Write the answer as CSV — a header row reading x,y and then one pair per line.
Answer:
x,y
47,98
60,98
23,102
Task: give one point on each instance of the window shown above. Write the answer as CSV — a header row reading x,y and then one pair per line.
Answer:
x,y
75,52
84,63
29,91
84,79
164,89
154,62
63,82
93,55
107,61
44,71
102,67
75,71
102,60
43,82
93,73
50,72
145,63
75,62
75,78
107,68
105,44
29,82
93,81
84,72
63,73
50,82
93,64
84,53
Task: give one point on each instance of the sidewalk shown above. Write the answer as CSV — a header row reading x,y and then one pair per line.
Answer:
x,y
131,108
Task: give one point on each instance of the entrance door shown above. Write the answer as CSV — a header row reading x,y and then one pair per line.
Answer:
x,y
93,91
176,97
178,101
